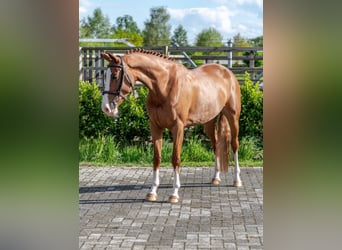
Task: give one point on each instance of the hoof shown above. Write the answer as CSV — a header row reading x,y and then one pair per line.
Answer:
x,y
237,184
173,199
216,181
151,197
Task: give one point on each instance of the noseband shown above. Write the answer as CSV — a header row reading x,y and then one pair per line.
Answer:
x,y
122,76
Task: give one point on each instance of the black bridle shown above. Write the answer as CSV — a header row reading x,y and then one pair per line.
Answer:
x,y
123,74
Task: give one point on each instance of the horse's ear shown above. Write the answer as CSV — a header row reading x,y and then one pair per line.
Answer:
x,y
110,57
106,56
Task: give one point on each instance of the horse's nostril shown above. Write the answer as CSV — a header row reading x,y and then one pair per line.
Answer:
x,y
106,110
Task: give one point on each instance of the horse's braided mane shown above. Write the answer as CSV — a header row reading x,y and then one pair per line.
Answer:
x,y
149,52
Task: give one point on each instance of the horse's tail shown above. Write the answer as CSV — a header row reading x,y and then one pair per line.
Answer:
x,y
223,135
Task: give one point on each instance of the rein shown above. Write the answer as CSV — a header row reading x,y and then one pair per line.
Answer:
x,y
123,74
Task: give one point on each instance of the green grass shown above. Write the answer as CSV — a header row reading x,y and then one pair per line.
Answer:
x,y
104,151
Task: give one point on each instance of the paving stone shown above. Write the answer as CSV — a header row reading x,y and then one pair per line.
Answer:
x,y
115,215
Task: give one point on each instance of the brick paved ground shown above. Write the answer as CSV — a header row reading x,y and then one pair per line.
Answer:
x,y
114,214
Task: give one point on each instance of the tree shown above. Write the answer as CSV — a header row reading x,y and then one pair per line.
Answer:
x,y
209,37
127,28
239,41
157,31
97,26
126,23
180,36
258,41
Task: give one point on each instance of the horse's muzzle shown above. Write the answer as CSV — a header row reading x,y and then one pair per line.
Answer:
x,y
111,110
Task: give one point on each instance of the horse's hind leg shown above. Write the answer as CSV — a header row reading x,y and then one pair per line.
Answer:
x,y
211,131
232,112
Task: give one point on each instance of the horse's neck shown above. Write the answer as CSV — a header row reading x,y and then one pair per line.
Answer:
x,y
154,74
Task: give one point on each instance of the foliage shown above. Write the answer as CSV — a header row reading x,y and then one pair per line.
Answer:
x,y
133,121
180,36
101,149
157,30
132,37
104,150
209,37
92,122
126,23
194,150
250,149
97,26
127,28
239,41
251,118
258,41
257,63
132,124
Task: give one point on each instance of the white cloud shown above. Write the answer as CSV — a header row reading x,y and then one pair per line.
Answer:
x,y
239,2
232,17
84,6
257,2
242,27
197,19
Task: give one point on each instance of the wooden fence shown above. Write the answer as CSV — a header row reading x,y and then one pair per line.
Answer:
x,y
92,66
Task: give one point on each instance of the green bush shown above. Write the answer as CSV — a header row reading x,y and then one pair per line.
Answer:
x,y
92,121
251,118
133,121
131,125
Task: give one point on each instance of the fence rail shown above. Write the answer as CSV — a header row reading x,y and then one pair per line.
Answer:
x,y
92,66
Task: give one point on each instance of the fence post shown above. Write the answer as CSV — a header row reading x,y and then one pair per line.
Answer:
x,y
97,58
230,54
252,64
102,71
166,50
85,65
80,64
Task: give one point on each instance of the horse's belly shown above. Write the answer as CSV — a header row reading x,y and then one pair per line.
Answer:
x,y
203,113
207,101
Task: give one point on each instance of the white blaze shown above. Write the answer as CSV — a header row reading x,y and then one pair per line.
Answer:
x,y
106,107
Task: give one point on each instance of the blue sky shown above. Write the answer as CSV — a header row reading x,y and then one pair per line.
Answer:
x,y
229,17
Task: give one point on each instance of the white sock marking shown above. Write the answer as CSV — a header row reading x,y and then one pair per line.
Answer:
x,y
176,183
217,168
155,182
237,168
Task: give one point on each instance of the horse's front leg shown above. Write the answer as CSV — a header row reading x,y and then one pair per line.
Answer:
x,y
178,135
157,137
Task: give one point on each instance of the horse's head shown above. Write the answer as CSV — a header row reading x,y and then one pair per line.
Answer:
x,y
118,84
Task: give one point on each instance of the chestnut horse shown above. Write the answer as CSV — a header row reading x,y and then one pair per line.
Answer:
x,y
177,98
